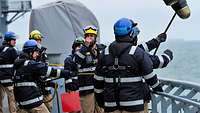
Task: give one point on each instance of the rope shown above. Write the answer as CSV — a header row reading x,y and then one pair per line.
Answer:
x,y
57,98
54,94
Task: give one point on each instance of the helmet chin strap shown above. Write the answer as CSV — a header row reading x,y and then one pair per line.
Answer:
x,y
134,40
133,36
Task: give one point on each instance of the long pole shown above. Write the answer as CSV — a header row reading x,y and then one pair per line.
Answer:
x,y
166,30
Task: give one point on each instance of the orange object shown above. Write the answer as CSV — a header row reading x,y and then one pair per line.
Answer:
x,y
70,102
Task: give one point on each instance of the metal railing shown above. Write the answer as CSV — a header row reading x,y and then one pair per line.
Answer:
x,y
178,97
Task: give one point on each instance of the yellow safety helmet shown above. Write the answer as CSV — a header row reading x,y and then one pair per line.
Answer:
x,y
36,35
90,29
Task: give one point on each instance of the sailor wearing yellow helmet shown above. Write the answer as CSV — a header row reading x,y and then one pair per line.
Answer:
x,y
86,59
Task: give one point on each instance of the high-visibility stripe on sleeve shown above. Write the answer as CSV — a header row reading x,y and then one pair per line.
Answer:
x,y
106,51
132,51
75,78
48,71
98,90
161,62
100,78
146,49
31,101
80,55
58,72
167,56
149,76
68,81
26,62
5,49
155,85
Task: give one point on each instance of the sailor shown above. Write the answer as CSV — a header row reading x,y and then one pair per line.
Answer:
x,y
43,82
8,54
70,64
120,70
86,59
28,72
159,61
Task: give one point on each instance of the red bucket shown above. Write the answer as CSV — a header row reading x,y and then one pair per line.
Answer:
x,y
70,102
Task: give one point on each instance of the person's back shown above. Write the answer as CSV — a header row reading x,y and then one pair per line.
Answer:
x,y
123,81
120,70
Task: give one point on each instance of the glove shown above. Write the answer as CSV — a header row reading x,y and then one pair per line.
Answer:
x,y
43,49
73,86
161,37
158,89
73,74
51,84
169,53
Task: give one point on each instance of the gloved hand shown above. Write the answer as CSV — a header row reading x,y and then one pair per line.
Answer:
x,y
169,53
161,37
51,84
158,89
42,49
73,86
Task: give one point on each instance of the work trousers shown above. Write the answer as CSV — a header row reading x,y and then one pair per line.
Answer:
x,y
117,111
88,104
146,108
40,109
11,99
48,104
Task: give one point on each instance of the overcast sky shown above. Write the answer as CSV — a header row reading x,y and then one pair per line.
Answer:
x,y
152,16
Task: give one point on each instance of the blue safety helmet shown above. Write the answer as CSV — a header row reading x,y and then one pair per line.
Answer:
x,y
10,36
31,46
125,27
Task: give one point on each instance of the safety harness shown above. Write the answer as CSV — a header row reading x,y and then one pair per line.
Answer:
x,y
117,70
